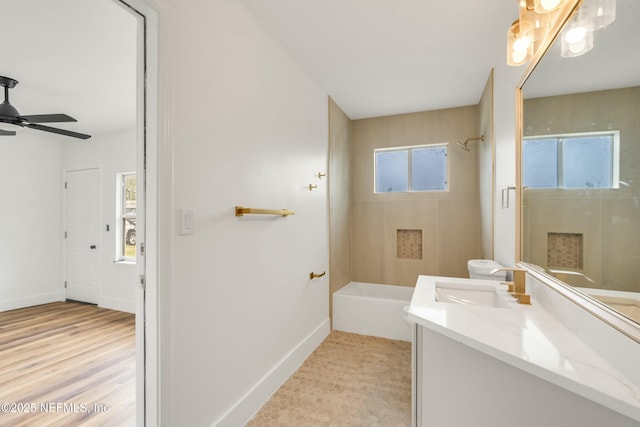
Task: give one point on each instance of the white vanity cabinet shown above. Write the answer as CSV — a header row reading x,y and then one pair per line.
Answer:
x,y
488,366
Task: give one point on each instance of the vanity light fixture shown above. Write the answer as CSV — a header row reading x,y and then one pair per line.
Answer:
x,y
576,40
539,24
593,15
546,6
599,13
537,17
519,43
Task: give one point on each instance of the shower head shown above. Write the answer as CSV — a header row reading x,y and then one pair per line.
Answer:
x,y
465,144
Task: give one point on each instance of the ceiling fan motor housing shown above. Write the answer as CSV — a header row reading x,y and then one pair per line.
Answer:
x,y
6,109
9,114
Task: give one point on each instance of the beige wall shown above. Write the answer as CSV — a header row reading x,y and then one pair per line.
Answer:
x,y
449,220
609,219
486,160
339,199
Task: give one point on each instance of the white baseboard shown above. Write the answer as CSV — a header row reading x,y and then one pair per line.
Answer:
x,y
31,301
243,410
117,304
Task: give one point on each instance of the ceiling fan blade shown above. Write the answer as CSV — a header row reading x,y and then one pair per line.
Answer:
x,y
58,131
7,132
48,118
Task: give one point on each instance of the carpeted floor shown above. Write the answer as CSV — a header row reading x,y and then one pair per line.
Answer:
x,y
349,380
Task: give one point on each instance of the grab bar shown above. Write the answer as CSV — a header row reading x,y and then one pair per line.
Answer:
x,y
245,211
506,190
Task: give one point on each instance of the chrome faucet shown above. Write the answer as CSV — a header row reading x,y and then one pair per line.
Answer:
x,y
517,288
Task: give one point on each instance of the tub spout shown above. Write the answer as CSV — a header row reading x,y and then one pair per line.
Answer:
x,y
314,275
571,273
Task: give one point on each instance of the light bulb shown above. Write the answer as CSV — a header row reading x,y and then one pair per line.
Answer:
x,y
576,41
577,47
549,4
546,6
518,56
576,35
521,44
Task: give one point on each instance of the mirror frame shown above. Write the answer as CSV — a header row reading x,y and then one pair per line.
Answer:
x,y
603,312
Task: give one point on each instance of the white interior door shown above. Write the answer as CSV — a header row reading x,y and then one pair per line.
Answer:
x,y
82,234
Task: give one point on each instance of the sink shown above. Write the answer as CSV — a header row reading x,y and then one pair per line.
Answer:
x,y
473,292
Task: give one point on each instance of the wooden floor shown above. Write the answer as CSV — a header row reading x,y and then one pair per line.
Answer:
x,y
67,364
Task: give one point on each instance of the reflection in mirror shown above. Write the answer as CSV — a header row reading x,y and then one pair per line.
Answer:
x,y
581,163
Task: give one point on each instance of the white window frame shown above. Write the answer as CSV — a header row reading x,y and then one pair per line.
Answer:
x,y
615,167
410,148
121,216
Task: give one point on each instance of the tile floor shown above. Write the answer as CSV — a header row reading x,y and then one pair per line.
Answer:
x,y
349,380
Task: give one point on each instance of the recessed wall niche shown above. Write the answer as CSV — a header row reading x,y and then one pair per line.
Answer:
x,y
565,250
409,244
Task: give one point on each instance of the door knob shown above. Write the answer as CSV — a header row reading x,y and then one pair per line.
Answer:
x,y
92,247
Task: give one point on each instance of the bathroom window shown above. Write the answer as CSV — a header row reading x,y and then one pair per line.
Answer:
x,y
126,228
585,160
411,169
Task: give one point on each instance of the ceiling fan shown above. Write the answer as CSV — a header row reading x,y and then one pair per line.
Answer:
x,y
9,114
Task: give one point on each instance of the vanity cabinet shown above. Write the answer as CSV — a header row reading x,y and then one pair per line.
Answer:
x,y
456,385
514,365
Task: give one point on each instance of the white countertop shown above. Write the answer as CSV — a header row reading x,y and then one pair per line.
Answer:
x,y
529,338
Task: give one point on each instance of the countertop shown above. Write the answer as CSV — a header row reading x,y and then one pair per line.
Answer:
x,y
530,338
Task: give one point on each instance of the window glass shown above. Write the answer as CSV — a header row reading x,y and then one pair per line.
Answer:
x,y
408,169
586,162
429,169
128,207
540,165
392,171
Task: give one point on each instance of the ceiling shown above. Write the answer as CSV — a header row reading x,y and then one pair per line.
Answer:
x,y
384,57
76,57
614,61
373,57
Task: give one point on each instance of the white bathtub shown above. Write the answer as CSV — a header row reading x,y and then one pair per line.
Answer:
x,y
372,309
627,303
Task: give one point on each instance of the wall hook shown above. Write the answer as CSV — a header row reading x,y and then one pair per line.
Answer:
x,y
312,187
320,175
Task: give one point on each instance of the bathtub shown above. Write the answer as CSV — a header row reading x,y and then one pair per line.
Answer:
x,y
372,309
627,303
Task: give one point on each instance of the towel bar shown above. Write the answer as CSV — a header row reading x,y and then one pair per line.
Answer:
x,y
240,211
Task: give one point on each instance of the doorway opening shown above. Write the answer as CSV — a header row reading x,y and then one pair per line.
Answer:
x,y
42,259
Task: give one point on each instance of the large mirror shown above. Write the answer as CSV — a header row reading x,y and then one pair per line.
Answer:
x,y
580,162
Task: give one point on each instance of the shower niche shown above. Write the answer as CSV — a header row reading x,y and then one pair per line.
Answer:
x,y
409,244
565,250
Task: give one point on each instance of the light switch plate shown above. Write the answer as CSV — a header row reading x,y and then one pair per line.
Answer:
x,y
186,221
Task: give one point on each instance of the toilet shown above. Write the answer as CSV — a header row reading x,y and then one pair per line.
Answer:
x,y
481,269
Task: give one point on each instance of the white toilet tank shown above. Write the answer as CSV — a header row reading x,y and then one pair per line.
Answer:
x,y
481,269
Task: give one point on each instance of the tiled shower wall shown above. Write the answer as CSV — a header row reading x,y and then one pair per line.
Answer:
x,y
339,179
449,222
609,219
